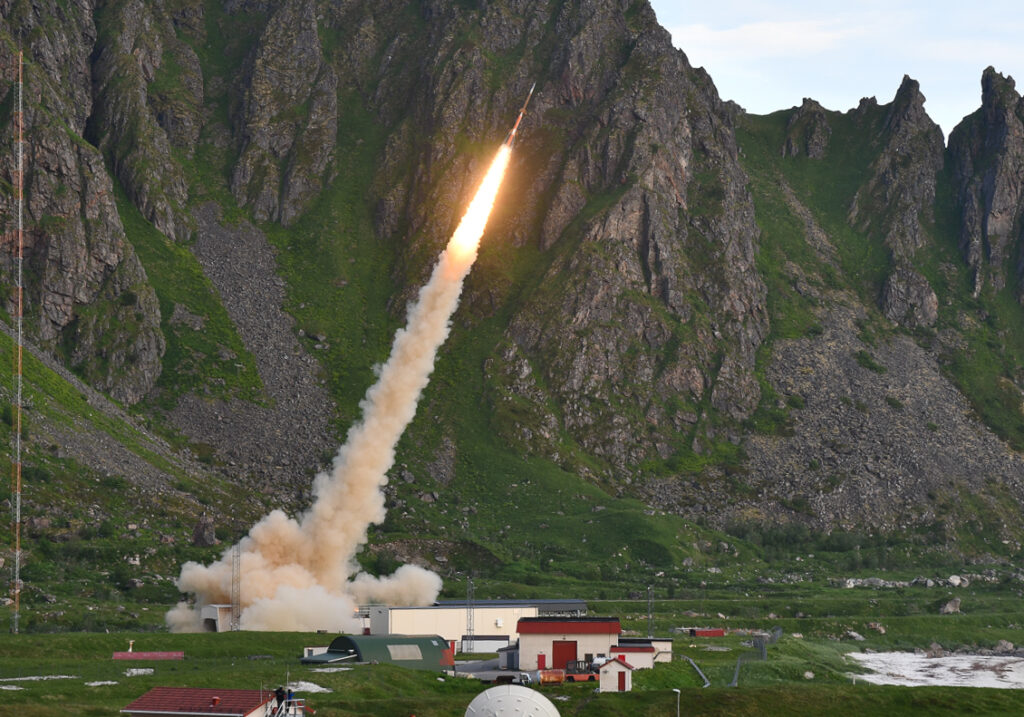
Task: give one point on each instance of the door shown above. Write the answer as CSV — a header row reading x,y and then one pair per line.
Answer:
x,y
562,653
622,681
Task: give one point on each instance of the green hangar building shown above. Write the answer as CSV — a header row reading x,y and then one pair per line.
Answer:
x,y
419,652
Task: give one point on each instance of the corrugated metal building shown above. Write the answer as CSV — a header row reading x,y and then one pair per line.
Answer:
x,y
419,652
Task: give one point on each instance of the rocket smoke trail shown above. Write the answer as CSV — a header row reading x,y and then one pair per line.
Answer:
x,y
302,574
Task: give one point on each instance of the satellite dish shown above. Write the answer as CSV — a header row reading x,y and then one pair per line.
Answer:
x,y
511,701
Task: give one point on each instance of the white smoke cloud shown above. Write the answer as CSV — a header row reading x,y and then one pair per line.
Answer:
x,y
298,574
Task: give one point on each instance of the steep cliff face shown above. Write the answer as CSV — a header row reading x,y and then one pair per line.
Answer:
x,y
289,117
987,151
137,47
661,326
87,294
639,339
898,201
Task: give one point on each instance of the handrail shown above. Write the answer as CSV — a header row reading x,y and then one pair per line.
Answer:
x,y
707,682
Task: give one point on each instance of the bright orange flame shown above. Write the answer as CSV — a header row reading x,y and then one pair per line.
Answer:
x,y
466,239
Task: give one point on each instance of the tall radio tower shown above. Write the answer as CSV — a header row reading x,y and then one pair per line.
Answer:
x,y
16,464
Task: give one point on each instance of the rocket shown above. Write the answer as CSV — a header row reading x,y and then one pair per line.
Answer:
x,y
512,134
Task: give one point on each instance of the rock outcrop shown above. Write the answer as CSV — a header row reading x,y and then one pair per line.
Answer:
x,y
289,118
88,296
987,152
897,202
908,299
137,48
807,131
652,217
898,198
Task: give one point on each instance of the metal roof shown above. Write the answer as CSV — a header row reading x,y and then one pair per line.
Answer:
x,y
568,625
544,606
421,652
198,701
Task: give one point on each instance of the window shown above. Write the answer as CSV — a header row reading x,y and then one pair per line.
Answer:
x,y
405,652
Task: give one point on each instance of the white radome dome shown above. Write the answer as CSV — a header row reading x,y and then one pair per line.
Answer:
x,y
511,701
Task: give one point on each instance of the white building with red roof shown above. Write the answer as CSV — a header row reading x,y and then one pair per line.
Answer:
x,y
640,657
546,643
616,676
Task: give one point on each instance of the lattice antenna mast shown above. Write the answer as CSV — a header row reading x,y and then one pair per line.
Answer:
x,y
470,611
650,611
236,587
16,467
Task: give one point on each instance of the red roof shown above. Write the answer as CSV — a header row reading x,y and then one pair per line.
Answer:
x,y
569,626
196,701
179,655
632,648
619,661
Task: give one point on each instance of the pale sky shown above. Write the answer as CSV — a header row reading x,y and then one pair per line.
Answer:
x,y
768,55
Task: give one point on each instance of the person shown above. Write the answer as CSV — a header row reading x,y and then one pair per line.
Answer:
x,y
291,695
279,694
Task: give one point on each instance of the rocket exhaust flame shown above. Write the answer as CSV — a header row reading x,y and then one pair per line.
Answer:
x,y
302,574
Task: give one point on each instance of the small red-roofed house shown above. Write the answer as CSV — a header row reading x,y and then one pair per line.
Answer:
x,y
192,701
551,643
641,657
616,676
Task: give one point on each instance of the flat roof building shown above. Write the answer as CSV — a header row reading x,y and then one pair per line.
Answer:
x,y
449,620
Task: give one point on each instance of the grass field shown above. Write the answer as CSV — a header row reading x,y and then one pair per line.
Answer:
x,y
781,685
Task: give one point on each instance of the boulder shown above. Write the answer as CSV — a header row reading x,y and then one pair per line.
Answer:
x,y
950,608
204,535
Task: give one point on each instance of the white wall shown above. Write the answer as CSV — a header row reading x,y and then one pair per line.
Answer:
x,y
610,677
449,622
531,645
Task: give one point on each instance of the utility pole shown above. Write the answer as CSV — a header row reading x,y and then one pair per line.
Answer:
x,y
650,611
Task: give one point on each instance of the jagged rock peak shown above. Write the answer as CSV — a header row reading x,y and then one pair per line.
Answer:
x,y
807,131
902,186
994,85
987,151
908,105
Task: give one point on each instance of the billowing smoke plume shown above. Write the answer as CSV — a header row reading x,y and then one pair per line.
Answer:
x,y
302,574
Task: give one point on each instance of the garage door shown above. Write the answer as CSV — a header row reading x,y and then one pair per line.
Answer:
x,y
562,651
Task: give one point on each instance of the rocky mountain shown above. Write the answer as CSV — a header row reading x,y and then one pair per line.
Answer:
x,y
810,317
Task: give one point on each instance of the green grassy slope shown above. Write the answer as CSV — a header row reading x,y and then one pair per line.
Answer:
x,y
75,567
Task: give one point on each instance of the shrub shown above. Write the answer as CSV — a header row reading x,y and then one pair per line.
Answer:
x,y
868,361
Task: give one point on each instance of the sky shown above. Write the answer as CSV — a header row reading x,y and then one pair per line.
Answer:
x,y
768,55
